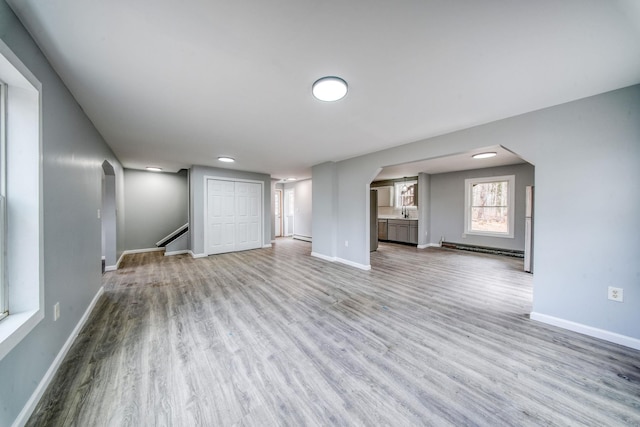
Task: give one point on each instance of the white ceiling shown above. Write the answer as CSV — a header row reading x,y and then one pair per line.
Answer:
x,y
173,83
456,162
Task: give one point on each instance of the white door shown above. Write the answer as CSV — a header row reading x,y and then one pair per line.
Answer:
x,y
248,220
288,212
220,216
277,200
233,216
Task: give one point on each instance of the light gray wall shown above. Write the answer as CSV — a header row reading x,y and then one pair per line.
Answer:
x,y
196,194
424,209
586,155
324,221
73,152
447,206
156,205
302,215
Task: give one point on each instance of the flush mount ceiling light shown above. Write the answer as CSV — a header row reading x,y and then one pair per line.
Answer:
x,y
226,159
329,89
484,155
290,179
154,169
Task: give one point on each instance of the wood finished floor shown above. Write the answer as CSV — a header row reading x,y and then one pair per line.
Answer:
x,y
276,337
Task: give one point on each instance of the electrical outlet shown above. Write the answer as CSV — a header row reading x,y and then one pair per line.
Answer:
x,y
346,243
615,294
56,311
98,213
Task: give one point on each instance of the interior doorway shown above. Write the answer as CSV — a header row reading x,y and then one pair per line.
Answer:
x,y
289,207
108,217
277,200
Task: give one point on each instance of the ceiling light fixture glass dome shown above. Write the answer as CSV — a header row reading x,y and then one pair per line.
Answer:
x,y
484,155
329,89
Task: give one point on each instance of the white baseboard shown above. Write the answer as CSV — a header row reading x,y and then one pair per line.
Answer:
x,y
111,268
353,264
119,261
31,404
268,245
341,261
186,251
303,238
587,330
324,257
141,251
197,255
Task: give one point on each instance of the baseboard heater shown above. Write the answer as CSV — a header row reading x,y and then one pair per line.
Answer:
x,y
300,237
483,249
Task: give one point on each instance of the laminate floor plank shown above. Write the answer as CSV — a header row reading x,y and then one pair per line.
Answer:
x,y
275,337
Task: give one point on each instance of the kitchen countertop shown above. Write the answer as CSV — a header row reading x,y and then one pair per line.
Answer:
x,y
396,217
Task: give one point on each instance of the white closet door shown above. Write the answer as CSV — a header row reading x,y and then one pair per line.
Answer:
x,y
220,216
233,216
248,218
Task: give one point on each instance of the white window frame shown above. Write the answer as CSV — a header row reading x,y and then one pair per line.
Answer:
x,y
24,257
4,291
468,186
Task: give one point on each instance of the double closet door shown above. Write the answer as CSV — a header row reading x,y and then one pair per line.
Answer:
x,y
233,216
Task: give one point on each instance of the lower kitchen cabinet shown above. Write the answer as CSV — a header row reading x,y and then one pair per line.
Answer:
x,y
401,230
382,229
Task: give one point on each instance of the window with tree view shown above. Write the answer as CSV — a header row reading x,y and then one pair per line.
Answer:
x,y
489,209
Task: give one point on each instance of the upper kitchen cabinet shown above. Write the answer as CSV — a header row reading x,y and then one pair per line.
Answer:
x,y
398,193
385,196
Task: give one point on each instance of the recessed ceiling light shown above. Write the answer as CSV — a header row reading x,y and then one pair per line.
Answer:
x,y
484,155
226,159
329,88
154,169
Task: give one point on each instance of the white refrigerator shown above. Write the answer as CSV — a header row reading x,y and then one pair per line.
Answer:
x,y
528,230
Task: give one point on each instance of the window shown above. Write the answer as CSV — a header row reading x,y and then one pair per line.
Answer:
x,y
489,206
405,192
4,305
21,275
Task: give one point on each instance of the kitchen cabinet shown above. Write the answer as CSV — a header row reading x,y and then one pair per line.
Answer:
x,y
385,196
399,230
382,229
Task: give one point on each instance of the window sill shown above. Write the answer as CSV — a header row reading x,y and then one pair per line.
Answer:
x,y
15,327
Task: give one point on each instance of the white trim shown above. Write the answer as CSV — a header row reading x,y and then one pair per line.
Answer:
x,y
185,251
304,238
142,251
24,262
341,261
268,245
30,406
273,241
119,260
190,252
16,327
323,257
354,264
110,268
587,330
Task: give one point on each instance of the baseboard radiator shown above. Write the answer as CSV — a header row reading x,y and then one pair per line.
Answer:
x,y
483,249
